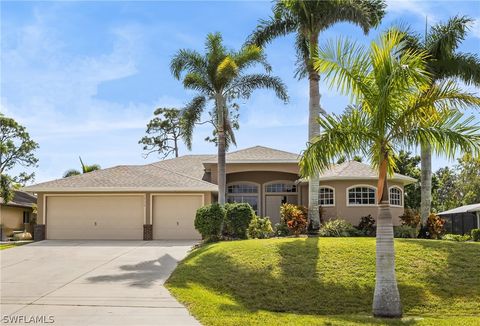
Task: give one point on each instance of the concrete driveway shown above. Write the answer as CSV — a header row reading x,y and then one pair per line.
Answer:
x,y
91,283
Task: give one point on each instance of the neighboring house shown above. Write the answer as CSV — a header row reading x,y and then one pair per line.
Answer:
x,y
17,212
462,220
160,200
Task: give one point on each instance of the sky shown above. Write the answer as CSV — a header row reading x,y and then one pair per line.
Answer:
x,y
85,77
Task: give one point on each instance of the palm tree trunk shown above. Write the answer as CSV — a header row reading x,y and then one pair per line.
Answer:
x,y
221,166
426,183
386,298
314,111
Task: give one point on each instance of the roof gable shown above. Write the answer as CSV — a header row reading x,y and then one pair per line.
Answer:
x,y
258,154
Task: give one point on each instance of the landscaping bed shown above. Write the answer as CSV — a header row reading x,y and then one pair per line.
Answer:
x,y
316,281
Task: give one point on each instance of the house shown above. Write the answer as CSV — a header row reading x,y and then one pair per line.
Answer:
x,y
17,213
159,200
462,220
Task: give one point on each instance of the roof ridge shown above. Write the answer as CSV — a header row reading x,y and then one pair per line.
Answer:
x,y
181,174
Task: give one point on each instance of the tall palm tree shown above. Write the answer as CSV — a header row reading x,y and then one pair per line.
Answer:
x,y
220,75
443,62
85,169
387,116
307,19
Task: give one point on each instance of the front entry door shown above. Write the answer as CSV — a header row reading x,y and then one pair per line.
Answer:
x,y
273,203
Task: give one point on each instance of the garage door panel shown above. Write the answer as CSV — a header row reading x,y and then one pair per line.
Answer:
x,y
174,216
95,217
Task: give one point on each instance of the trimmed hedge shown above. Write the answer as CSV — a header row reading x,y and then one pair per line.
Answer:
x,y
475,234
238,218
209,220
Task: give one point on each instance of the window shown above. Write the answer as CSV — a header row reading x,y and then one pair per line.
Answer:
x,y
281,187
326,196
243,193
361,195
396,196
26,217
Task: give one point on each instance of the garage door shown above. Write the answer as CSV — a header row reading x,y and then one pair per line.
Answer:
x,y
95,217
174,216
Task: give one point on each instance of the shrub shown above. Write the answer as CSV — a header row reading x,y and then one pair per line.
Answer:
x,y
237,219
208,221
435,226
281,230
404,231
475,234
260,228
367,225
410,218
456,237
295,217
338,228
22,236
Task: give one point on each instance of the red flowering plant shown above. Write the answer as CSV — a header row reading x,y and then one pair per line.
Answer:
x,y
295,217
435,226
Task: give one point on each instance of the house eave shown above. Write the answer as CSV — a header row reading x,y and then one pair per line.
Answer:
x,y
117,189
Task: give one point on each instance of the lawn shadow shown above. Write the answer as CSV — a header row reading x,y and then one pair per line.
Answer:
x,y
270,287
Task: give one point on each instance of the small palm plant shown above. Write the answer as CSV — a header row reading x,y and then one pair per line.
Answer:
x,y
221,76
85,169
388,115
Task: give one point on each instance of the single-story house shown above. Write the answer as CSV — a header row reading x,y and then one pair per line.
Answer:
x,y
159,200
16,214
462,220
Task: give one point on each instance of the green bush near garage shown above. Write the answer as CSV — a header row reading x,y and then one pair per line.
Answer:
x,y
238,218
209,221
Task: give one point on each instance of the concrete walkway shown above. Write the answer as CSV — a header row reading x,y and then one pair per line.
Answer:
x,y
91,283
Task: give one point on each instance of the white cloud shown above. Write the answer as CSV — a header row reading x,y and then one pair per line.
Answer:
x,y
420,8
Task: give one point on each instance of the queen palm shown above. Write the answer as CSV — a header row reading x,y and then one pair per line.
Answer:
x,y
387,116
85,169
443,62
307,19
220,76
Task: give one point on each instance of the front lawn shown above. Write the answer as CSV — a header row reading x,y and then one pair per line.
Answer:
x,y
319,281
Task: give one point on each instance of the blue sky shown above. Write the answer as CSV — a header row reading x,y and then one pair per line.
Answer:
x,y
85,77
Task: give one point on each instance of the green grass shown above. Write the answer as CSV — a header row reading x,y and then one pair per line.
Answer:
x,y
11,245
326,281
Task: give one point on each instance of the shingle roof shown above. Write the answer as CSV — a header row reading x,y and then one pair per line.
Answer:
x,y
21,199
127,178
259,154
190,165
355,170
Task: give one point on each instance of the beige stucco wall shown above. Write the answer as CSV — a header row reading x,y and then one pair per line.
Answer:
x,y
12,217
351,213
250,167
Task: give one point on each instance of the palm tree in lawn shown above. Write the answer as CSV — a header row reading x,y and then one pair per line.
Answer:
x,y
220,76
85,169
443,62
387,116
308,19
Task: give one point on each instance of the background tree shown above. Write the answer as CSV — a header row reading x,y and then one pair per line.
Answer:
x,y
441,43
386,117
164,132
85,169
407,164
16,149
469,178
308,19
448,195
221,76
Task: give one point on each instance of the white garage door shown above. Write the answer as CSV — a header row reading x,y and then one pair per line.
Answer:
x,y
115,217
174,216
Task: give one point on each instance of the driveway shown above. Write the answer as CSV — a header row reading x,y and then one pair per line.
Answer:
x,y
91,283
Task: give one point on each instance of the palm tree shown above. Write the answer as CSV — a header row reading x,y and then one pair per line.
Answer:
x,y
85,169
220,76
387,116
307,19
443,62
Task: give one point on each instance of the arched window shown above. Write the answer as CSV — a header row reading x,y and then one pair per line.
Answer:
x,y
361,195
326,196
244,192
396,196
281,187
